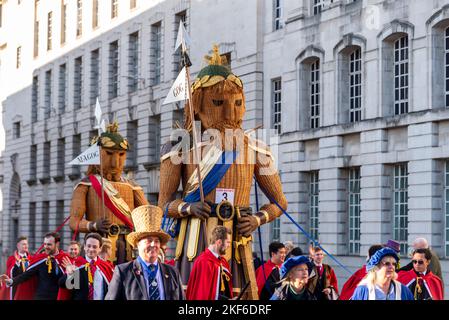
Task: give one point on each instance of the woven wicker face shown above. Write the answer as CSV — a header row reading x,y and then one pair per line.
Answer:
x,y
222,106
113,163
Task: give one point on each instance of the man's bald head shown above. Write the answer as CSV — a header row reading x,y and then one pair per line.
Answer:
x,y
420,243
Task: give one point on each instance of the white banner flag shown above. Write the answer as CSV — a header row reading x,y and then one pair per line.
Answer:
x,y
90,156
182,38
178,90
101,126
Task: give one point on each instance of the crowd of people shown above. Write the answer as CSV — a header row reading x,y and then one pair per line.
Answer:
x,y
85,273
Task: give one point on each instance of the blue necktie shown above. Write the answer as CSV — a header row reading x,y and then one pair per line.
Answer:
x,y
153,288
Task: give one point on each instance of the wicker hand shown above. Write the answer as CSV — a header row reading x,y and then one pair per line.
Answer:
x,y
102,225
200,210
246,225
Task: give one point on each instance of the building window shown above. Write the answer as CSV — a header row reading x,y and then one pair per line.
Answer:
x,y
34,99
315,94
113,70
446,207
16,130
401,76
62,96
94,14
133,62
317,6
355,86
32,234
76,150
45,222
60,215
79,18
60,160
36,39
446,62
48,94
94,75
33,162
276,105
18,57
114,8
49,29
156,53
78,83
354,211
276,230
313,205
132,4
182,16
277,15
400,209
131,155
154,138
63,21
47,159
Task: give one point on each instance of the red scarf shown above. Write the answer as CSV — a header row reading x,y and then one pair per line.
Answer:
x,y
432,283
26,290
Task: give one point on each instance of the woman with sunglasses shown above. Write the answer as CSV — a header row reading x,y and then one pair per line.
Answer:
x,y
420,280
380,282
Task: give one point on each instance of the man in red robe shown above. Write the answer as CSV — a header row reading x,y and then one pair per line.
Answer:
x,y
210,278
420,280
349,287
277,252
15,265
40,280
93,273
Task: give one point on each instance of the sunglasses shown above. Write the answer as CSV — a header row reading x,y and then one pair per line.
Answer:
x,y
420,262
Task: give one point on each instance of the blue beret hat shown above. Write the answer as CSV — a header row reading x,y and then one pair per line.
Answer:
x,y
290,263
378,256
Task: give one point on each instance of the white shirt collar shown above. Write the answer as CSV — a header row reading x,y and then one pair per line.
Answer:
x,y
89,259
215,254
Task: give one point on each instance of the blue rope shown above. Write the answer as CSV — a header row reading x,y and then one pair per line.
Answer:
x,y
259,232
304,231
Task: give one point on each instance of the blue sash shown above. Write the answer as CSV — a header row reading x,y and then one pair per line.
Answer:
x,y
210,182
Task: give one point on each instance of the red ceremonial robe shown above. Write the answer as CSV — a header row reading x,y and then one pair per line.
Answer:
x,y
351,284
26,290
5,292
433,284
106,270
261,278
203,279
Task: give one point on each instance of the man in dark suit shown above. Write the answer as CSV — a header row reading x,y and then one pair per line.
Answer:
x,y
40,280
87,278
146,278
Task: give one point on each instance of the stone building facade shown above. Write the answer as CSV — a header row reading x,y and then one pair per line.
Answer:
x,y
357,91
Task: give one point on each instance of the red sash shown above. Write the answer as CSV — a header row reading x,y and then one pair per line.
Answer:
x,y
109,204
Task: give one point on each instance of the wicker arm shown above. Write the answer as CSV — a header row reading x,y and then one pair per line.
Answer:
x,y
269,181
170,177
78,209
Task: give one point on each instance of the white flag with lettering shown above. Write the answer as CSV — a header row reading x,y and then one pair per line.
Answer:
x,y
183,38
178,90
90,156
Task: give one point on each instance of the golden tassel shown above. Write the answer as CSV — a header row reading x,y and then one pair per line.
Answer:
x,y
23,264
48,263
89,273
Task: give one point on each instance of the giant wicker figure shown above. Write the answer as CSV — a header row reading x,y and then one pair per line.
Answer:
x,y
219,103
121,196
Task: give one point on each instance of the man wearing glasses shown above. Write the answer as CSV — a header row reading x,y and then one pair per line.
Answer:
x,y
420,280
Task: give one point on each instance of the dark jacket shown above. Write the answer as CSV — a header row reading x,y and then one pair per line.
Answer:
x,y
128,283
83,292
284,293
270,285
47,283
